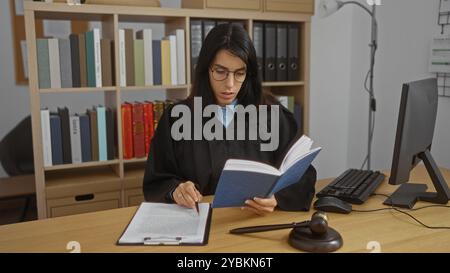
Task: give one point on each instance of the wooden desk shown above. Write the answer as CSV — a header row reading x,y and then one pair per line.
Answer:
x,y
99,231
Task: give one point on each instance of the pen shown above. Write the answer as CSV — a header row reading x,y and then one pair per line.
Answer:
x,y
196,207
196,202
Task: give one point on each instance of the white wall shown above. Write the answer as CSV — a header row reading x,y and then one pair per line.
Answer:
x,y
405,31
331,46
406,28
14,100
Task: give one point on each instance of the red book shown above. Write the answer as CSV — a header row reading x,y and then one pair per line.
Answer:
x,y
148,125
127,130
138,130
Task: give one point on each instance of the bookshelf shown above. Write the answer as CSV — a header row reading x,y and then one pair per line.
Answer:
x,y
83,187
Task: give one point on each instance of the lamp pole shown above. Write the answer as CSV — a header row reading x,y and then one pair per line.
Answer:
x,y
372,102
328,7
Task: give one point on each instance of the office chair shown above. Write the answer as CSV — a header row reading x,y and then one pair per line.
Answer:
x,y
16,154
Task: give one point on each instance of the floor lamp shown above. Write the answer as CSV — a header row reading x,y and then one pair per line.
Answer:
x,y
328,7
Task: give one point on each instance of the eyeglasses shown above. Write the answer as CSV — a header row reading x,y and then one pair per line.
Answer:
x,y
221,74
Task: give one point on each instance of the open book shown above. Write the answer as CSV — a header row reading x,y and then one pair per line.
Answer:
x,y
244,179
168,224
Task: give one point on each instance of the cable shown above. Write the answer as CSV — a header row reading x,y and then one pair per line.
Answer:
x,y
404,212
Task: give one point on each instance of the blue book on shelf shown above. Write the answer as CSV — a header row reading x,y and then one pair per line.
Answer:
x,y
157,78
101,124
242,180
90,59
56,140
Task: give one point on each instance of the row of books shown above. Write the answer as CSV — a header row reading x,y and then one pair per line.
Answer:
x,y
92,136
87,60
139,122
276,44
82,60
78,138
145,61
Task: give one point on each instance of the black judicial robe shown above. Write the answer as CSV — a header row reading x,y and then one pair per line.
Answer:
x,y
172,162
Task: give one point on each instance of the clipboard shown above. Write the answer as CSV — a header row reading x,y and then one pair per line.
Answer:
x,y
149,239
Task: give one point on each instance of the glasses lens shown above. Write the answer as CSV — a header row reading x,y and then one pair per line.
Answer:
x,y
219,74
240,76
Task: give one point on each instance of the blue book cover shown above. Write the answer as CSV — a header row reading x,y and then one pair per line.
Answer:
x,y
56,140
85,133
90,59
242,180
101,124
157,78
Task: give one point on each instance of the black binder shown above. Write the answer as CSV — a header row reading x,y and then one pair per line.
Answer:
x,y
75,58
207,26
281,59
110,134
293,50
196,43
270,37
65,132
258,42
298,116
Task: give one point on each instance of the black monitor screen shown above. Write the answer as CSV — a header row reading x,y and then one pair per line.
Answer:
x,y
415,127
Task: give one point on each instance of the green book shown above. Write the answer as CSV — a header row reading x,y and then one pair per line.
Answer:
x,y
90,59
139,66
43,63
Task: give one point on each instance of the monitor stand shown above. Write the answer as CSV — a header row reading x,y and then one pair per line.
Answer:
x,y
408,194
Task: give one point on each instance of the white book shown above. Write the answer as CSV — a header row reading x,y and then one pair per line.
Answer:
x,y
168,224
147,36
173,59
75,139
46,137
181,56
98,58
55,69
123,67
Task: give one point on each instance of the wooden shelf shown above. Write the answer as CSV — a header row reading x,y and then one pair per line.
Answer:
x,y
100,177
154,87
81,165
135,160
77,90
98,12
269,84
79,176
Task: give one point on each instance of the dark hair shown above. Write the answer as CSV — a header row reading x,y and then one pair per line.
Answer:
x,y
234,38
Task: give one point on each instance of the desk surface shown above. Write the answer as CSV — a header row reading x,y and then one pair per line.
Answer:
x,y
99,231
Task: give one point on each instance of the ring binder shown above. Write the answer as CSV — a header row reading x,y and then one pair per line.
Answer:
x,y
162,240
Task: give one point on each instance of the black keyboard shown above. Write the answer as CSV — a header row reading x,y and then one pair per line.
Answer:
x,y
353,186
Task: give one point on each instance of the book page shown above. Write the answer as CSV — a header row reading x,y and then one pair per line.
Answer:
x,y
165,222
250,166
299,149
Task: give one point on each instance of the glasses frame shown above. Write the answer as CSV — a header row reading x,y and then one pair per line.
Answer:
x,y
228,74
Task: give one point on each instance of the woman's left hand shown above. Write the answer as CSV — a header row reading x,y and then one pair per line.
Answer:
x,y
261,206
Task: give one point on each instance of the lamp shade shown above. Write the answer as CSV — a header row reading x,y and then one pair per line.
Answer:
x,y
328,7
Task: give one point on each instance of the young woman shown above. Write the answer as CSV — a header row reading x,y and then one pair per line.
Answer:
x,y
183,171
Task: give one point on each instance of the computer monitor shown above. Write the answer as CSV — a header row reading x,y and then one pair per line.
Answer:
x,y
415,128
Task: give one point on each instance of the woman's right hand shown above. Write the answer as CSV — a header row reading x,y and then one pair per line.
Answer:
x,y
186,194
